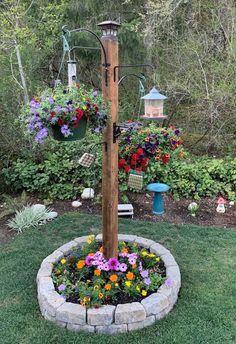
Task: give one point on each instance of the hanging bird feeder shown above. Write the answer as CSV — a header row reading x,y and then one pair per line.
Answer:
x,y
86,160
135,180
153,105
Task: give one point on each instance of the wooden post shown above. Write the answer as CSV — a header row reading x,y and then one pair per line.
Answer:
x,y
110,149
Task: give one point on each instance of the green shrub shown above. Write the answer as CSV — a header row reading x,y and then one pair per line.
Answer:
x,y
57,172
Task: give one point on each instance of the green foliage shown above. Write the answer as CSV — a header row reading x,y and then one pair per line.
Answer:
x,y
13,204
28,217
199,178
57,174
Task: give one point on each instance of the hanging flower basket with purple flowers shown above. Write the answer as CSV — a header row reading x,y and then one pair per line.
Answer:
x,y
65,113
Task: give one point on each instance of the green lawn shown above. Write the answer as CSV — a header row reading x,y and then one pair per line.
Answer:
x,y
205,312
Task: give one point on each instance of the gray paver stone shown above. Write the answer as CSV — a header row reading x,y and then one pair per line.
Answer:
x,y
127,237
155,303
45,270
169,260
81,240
66,248
112,329
101,316
85,328
52,301
54,257
159,249
129,313
147,243
71,313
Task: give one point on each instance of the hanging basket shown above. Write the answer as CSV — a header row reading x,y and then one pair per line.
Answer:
x,y
135,180
78,132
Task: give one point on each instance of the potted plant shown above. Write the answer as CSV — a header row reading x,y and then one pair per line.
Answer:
x,y
65,113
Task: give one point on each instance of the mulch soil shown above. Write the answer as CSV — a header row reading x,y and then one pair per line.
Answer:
x,y
175,212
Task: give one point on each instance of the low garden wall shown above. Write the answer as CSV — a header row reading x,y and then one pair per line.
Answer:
x,y
108,319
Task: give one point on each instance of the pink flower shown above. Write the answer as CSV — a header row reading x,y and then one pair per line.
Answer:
x,y
132,260
113,263
89,260
123,267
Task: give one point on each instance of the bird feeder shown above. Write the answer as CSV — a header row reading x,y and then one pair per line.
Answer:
x,y
135,180
86,160
71,72
153,105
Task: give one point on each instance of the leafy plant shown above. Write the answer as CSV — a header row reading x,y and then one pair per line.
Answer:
x,y
29,216
12,204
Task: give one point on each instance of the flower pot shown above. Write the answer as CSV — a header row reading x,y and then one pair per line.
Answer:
x,y
78,132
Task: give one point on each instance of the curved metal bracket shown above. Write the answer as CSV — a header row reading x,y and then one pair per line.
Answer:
x,y
106,64
140,77
131,66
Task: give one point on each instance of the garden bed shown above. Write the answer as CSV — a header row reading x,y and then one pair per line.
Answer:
x,y
109,318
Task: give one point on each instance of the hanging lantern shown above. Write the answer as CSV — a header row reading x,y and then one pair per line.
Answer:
x,y
71,72
153,105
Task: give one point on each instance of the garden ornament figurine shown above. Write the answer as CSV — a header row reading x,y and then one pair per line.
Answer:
x,y
221,205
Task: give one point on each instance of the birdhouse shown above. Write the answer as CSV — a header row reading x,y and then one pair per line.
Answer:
x,y
153,105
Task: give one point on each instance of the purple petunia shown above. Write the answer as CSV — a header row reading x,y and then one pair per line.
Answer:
x,y
147,281
89,260
62,287
123,267
34,104
51,100
41,135
113,263
144,273
65,130
132,260
106,267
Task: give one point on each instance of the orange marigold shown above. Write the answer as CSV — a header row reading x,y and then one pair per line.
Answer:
x,y
125,250
134,266
101,249
130,275
80,264
108,286
97,272
113,278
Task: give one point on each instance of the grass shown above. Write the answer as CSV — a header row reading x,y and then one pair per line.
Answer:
x,y
205,312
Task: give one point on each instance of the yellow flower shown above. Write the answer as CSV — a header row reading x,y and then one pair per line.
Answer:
x,y
84,99
138,288
144,293
128,283
117,285
151,255
84,107
158,259
63,260
144,253
100,295
96,287
89,241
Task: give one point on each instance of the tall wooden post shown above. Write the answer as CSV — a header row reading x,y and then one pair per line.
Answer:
x,y
110,149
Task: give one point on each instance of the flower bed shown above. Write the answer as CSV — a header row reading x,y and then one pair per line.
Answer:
x,y
86,277
114,316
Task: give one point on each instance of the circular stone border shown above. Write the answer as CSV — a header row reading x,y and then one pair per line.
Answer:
x,y
107,319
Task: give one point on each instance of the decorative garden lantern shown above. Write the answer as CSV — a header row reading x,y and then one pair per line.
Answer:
x,y
153,103
109,28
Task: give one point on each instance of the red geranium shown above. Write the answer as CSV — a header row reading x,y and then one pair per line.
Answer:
x,y
139,169
140,151
165,158
127,168
53,114
121,163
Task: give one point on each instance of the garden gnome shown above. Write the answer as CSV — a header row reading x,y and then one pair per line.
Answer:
x,y
221,205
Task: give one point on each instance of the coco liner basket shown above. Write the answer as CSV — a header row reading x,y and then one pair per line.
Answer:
x,y
110,318
78,132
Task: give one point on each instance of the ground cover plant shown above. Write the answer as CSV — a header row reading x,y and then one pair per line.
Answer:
x,y
86,277
205,311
